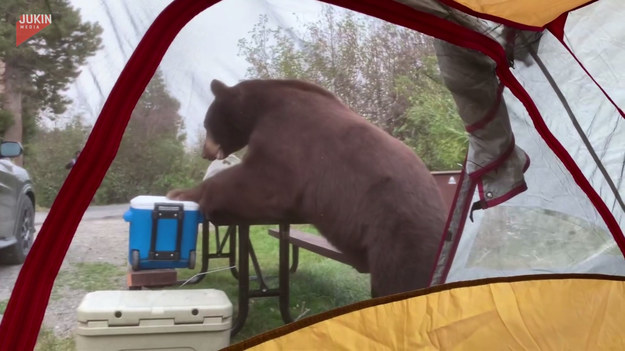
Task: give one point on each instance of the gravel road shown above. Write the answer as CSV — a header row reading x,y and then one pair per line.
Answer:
x,y
101,237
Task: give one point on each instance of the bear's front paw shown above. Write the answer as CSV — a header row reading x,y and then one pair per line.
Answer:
x,y
182,195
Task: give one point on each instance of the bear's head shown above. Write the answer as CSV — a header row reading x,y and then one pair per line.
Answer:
x,y
228,126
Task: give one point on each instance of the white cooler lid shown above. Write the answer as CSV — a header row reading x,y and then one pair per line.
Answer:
x,y
129,307
146,202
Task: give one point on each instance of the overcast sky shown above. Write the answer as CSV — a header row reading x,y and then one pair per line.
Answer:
x,y
205,49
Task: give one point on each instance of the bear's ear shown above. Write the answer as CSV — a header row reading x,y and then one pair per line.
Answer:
x,y
219,88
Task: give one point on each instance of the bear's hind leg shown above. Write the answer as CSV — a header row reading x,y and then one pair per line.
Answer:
x,y
397,268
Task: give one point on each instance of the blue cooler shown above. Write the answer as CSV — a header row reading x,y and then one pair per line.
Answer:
x,y
163,232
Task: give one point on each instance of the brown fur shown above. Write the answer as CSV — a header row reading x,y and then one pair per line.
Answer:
x,y
312,159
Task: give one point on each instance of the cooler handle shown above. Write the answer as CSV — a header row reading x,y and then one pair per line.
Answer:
x,y
166,211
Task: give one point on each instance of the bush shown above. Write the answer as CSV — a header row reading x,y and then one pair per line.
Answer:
x,y
151,159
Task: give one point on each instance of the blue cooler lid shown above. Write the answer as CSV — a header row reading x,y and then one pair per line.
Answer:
x,y
146,202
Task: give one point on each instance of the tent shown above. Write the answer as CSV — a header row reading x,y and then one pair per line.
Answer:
x,y
542,187
489,314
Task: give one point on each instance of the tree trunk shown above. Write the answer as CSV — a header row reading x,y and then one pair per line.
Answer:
x,y
2,75
13,104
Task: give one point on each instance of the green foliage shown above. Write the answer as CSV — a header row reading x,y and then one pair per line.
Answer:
x,y
47,156
386,73
432,126
150,161
42,67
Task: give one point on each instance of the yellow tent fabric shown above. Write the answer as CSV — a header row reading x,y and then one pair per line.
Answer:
x,y
535,13
573,312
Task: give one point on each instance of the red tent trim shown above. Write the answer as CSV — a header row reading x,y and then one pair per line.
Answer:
x,y
557,29
497,19
494,164
447,235
555,145
501,199
504,21
26,308
507,196
434,26
458,234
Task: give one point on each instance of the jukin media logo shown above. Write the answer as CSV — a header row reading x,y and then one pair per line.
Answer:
x,y
29,25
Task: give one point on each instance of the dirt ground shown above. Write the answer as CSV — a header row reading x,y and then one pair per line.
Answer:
x,y
103,241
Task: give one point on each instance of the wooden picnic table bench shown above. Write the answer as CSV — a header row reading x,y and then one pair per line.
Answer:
x,y
311,242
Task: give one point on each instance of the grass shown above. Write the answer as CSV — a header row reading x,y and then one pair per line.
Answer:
x,y
47,341
3,306
320,284
87,277
81,276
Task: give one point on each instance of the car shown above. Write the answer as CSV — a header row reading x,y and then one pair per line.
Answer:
x,y
17,206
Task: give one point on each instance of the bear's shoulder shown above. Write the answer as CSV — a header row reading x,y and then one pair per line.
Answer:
x,y
280,86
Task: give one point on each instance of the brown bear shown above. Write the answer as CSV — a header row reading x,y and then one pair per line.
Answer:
x,y
311,159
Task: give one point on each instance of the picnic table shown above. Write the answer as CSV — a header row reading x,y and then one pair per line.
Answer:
x,y
238,233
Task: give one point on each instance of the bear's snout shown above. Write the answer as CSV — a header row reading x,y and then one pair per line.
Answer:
x,y
212,151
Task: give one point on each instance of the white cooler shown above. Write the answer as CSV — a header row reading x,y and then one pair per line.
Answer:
x,y
196,319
